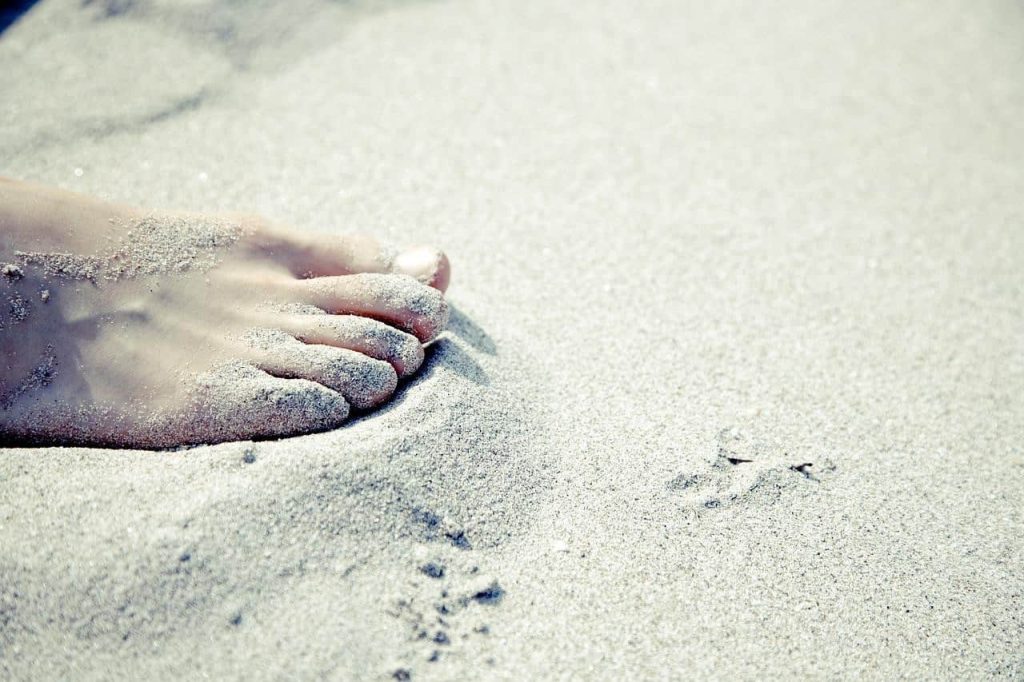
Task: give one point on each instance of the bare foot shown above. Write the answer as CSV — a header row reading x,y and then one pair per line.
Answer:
x,y
125,328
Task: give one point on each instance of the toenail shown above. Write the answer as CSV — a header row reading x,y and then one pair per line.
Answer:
x,y
426,264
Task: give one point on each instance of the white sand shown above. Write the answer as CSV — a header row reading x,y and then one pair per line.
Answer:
x,y
682,237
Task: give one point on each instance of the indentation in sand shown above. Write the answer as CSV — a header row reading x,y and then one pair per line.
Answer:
x,y
446,609
743,468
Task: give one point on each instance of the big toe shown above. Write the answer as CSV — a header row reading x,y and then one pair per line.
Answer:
x,y
427,264
311,255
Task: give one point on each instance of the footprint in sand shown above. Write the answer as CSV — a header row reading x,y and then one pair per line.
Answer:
x,y
743,468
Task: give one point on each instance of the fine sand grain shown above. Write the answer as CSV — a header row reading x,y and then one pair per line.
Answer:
x,y
731,386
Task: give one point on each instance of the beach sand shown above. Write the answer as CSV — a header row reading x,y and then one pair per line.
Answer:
x,y
732,386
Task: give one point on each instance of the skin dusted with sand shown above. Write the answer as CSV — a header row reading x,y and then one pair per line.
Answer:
x,y
153,329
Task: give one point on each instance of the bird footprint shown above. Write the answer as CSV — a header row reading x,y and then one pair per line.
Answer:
x,y
743,468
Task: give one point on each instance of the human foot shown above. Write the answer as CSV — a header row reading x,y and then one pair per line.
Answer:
x,y
132,329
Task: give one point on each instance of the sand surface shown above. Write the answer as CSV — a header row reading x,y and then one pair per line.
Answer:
x,y
733,387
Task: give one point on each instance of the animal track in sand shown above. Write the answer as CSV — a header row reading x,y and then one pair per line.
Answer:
x,y
445,609
743,468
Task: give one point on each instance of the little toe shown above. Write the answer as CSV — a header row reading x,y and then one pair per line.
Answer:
x,y
363,381
239,401
396,299
361,334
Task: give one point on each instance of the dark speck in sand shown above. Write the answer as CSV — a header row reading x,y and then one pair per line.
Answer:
x,y
433,569
249,457
459,539
236,619
185,557
402,674
427,518
436,527
683,481
490,595
804,470
441,637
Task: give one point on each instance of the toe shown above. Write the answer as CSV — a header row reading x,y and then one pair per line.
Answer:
x,y
308,254
426,264
361,334
238,401
315,255
363,381
398,300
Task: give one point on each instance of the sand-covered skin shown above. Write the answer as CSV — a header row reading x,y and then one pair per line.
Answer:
x,y
733,386
160,339
154,245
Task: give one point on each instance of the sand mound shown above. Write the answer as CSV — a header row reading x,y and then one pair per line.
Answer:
x,y
193,540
